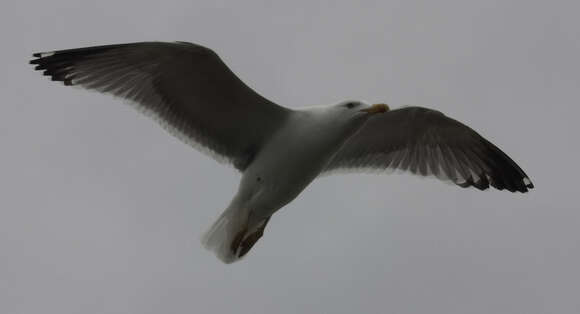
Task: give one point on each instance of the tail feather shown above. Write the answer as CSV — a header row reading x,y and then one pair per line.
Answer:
x,y
222,234
230,237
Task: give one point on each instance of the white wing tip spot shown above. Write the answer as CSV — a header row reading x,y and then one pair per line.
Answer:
x,y
527,181
45,54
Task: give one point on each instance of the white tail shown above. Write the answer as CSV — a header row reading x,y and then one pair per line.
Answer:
x,y
221,235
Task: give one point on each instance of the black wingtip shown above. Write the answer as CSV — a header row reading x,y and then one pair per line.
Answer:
x,y
51,65
526,186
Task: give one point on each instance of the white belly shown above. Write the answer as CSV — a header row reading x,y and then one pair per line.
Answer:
x,y
285,166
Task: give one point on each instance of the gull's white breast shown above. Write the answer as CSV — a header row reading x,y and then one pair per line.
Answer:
x,y
293,157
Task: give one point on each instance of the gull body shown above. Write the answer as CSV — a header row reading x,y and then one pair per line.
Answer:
x,y
295,155
190,91
299,151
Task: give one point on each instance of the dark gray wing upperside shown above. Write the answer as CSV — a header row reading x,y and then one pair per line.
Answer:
x,y
426,142
185,87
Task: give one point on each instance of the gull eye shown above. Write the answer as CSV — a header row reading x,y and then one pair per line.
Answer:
x,y
350,105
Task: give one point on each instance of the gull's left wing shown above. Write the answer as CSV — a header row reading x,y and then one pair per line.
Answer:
x,y
426,142
185,87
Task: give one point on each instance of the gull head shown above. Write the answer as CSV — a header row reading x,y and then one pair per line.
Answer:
x,y
349,112
357,108
349,115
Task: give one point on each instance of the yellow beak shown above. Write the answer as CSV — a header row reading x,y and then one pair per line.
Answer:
x,y
377,108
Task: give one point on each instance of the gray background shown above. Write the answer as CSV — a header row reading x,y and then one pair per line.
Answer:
x,y
101,210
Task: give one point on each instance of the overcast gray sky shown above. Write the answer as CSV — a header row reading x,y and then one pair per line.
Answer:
x,y
101,210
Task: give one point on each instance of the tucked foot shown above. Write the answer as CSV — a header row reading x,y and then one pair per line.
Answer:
x,y
244,242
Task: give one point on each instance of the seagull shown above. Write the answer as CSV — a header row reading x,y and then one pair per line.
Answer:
x,y
279,151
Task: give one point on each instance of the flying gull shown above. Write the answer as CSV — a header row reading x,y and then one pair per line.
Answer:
x,y
189,90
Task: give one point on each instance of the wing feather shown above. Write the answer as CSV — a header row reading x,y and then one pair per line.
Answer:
x,y
425,142
185,87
